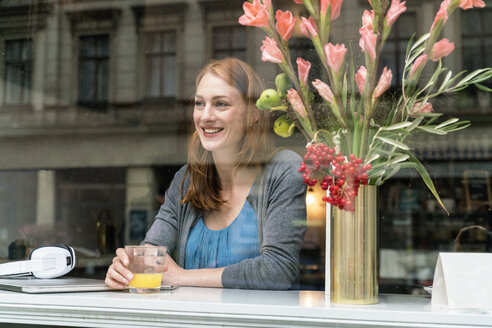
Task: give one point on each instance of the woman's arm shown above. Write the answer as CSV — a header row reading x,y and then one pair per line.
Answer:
x,y
175,275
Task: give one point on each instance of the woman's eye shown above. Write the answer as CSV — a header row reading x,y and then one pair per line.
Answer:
x,y
199,103
222,104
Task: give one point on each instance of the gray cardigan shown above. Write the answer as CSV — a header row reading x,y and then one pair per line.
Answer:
x,y
278,197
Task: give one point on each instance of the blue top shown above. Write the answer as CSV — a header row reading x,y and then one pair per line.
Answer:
x,y
220,248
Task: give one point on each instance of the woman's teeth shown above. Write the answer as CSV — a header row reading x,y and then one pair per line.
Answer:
x,y
212,130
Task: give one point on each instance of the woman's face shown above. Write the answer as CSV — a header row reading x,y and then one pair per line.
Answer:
x,y
219,115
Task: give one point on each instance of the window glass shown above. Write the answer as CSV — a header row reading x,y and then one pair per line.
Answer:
x,y
161,65
229,41
93,69
95,118
18,63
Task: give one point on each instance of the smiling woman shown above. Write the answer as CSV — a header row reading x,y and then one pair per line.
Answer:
x,y
234,216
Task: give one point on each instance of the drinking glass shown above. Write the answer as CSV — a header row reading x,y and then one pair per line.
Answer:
x,y
147,265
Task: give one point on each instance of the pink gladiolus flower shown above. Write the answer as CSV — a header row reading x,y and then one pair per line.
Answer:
x,y
267,3
336,7
441,49
335,55
383,83
368,42
296,102
468,4
285,23
442,13
255,14
323,90
419,63
308,27
395,11
270,51
367,18
419,108
360,78
299,2
303,67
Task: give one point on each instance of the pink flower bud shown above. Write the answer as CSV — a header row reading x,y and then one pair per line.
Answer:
x,y
395,10
468,4
296,102
255,14
383,83
285,24
360,78
442,13
336,7
303,67
335,56
270,51
308,27
441,49
368,42
419,108
324,90
367,19
418,64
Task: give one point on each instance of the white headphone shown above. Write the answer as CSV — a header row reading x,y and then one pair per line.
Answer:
x,y
44,262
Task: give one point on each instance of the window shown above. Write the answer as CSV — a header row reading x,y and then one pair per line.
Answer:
x,y
229,41
93,70
477,39
393,55
161,65
18,62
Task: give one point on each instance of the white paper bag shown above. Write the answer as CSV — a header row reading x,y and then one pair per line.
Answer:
x,y
463,281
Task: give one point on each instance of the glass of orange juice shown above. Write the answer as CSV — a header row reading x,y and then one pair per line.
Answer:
x,y
147,265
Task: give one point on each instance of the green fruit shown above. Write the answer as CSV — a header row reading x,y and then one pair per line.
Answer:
x,y
259,105
269,98
283,127
283,84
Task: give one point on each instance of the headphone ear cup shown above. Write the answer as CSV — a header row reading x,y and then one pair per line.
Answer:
x,y
57,260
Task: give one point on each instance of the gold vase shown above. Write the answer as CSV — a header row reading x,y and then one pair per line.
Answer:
x,y
353,269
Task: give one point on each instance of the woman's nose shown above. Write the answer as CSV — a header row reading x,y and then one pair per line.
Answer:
x,y
208,113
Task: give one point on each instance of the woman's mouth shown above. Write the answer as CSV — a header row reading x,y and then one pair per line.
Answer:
x,y
210,132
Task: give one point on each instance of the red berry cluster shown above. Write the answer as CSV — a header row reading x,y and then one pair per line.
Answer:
x,y
341,177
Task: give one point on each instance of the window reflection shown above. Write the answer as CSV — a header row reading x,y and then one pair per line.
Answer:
x,y
95,110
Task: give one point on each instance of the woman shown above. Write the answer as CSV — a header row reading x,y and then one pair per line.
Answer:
x,y
234,216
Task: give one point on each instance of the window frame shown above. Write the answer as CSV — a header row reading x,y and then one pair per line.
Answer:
x,y
93,104
230,49
144,36
19,62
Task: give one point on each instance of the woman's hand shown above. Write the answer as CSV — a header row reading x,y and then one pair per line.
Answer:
x,y
118,275
172,272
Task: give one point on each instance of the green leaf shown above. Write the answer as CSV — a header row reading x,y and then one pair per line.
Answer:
x,y
427,179
372,158
450,121
399,159
420,41
432,130
395,170
445,82
415,123
397,126
483,87
394,143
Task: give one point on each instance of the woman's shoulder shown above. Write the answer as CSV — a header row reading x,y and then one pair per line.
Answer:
x,y
285,156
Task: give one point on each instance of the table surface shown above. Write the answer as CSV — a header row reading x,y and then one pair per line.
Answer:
x,y
212,307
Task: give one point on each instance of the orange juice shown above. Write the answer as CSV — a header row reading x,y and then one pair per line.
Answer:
x,y
146,280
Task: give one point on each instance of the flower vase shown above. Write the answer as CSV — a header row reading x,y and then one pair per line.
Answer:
x,y
353,258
